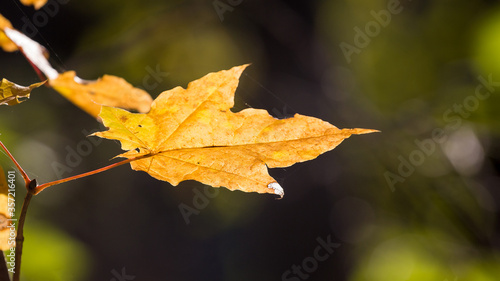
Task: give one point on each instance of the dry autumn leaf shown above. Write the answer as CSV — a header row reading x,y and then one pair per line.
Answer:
x,y
88,95
108,90
12,94
4,214
37,4
6,44
191,134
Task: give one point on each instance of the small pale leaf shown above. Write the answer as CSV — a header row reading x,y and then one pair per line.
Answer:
x,y
34,52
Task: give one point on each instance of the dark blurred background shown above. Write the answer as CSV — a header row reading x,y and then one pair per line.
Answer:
x,y
418,201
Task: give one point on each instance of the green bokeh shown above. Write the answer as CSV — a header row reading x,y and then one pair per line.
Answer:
x,y
52,255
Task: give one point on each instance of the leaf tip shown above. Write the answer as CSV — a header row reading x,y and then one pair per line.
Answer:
x,y
278,190
362,131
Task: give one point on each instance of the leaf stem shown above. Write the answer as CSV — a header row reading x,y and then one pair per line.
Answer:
x,y
23,173
41,187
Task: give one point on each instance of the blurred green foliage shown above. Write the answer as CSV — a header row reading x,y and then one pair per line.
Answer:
x,y
53,256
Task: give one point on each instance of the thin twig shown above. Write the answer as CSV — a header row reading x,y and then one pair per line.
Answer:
x,y
20,229
41,187
25,176
34,189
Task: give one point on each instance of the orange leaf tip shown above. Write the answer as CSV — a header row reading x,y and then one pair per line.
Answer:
x,y
277,188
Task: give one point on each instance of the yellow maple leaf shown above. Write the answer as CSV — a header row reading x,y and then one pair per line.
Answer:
x,y
4,214
6,44
191,134
37,4
12,94
108,90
